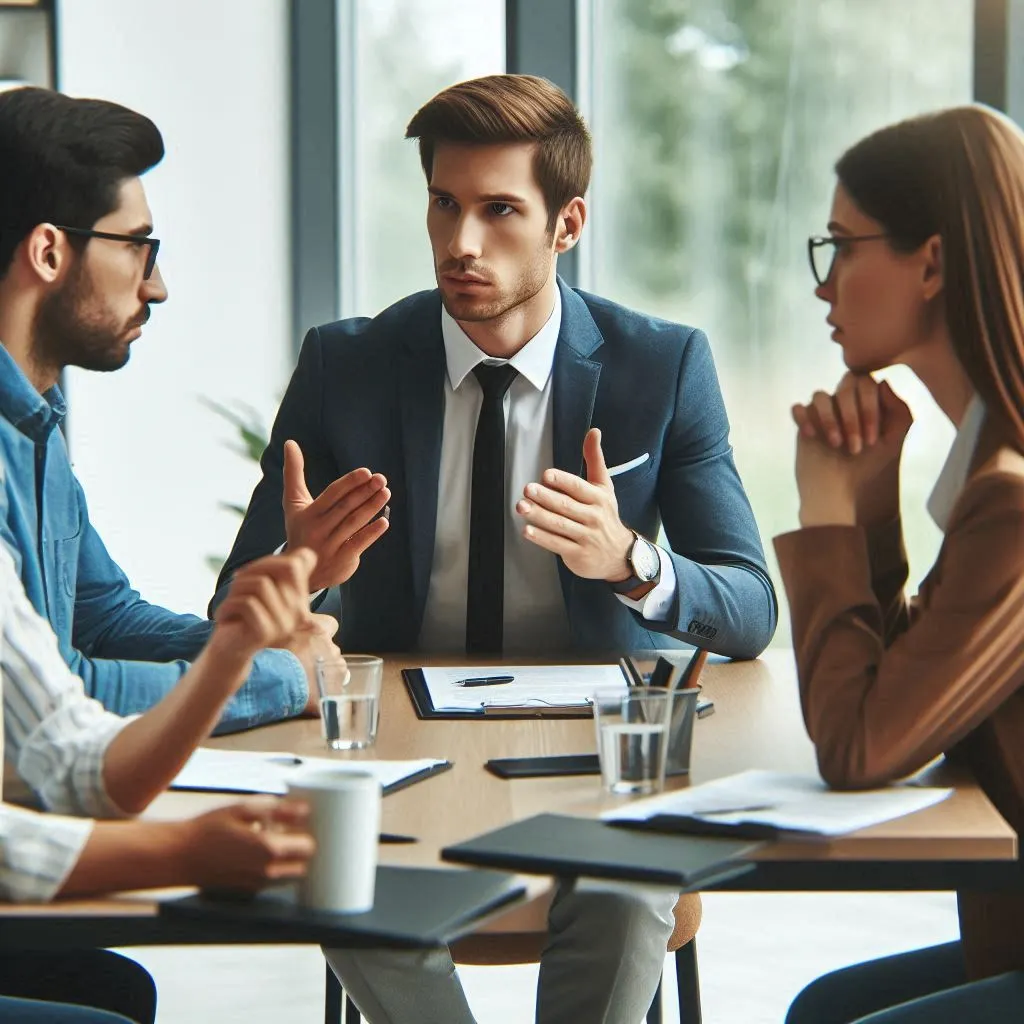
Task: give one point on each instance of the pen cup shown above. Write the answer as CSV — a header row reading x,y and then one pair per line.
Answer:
x,y
682,711
631,739
350,700
345,822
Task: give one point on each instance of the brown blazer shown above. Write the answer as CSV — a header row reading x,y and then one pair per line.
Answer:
x,y
887,685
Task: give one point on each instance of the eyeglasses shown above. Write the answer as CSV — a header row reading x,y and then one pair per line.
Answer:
x,y
139,240
822,259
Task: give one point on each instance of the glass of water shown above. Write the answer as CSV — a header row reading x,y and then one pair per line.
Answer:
x,y
349,700
632,734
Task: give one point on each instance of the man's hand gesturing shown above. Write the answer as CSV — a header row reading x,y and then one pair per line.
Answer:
x,y
339,525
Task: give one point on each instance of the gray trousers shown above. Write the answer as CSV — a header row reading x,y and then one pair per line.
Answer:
x,y
602,964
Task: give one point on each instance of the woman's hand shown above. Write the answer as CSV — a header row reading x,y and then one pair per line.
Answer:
x,y
848,453
267,605
248,845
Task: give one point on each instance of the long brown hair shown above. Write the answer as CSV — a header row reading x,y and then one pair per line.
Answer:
x,y
512,108
959,174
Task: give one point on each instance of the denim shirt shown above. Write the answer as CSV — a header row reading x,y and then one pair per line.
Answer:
x,y
128,652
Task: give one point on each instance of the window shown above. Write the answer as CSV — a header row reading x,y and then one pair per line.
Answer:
x,y
716,126
403,53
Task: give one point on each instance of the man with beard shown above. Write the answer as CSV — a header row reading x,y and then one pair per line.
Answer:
x,y
529,440
78,277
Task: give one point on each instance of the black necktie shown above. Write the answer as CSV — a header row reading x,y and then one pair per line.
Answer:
x,y
485,590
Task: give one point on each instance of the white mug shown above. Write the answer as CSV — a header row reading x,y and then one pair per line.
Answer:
x,y
345,823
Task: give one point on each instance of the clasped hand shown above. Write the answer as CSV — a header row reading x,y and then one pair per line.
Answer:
x,y
579,519
848,453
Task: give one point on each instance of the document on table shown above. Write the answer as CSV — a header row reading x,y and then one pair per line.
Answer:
x,y
248,771
555,686
797,803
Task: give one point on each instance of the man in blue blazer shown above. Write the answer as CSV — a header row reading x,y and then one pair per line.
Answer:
x,y
524,504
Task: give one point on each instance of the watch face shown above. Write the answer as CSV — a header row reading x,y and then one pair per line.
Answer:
x,y
646,563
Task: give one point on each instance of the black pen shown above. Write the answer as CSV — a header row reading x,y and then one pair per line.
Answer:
x,y
393,837
484,680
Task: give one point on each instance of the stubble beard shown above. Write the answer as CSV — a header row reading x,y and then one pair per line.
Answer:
x,y
73,329
531,281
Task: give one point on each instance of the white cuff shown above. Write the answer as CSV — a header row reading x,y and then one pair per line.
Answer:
x,y
656,605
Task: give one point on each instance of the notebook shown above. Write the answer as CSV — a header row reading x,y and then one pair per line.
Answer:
x,y
257,771
412,907
554,844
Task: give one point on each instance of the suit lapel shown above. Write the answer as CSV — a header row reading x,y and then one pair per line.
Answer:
x,y
421,401
574,391
574,388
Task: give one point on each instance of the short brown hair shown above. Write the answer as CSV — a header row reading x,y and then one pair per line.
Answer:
x,y
959,174
512,108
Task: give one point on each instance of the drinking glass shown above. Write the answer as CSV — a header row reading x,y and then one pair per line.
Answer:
x,y
350,700
632,730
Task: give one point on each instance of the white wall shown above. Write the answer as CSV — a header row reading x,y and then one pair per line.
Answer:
x,y
212,74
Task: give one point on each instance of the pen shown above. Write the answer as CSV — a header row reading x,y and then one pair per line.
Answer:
x,y
393,837
285,759
484,680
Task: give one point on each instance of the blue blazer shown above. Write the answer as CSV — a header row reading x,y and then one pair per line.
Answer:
x,y
371,393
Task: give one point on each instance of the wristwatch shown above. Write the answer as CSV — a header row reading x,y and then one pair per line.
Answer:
x,y
645,562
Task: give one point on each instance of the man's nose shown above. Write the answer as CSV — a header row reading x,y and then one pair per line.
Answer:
x,y
154,289
466,240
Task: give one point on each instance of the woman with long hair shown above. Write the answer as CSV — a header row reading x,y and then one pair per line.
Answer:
x,y
923,266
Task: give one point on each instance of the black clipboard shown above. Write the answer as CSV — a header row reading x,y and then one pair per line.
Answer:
x,y
413,907
554,844
416,684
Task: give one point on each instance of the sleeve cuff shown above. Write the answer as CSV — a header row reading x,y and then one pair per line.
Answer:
x,y
656,606
38,852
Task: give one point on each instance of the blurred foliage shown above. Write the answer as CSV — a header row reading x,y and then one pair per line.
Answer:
x,y
252,437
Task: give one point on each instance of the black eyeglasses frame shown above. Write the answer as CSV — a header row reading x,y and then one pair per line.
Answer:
x,y
819,241
153,243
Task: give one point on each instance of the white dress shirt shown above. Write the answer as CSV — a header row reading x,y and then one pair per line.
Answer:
x,y
535,618
957,465
57,737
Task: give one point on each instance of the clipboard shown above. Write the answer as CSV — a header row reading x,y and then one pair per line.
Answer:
x,y
413,908
419,694
669,673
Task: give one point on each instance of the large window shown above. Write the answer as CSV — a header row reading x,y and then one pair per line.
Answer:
x,y
716,126
403,52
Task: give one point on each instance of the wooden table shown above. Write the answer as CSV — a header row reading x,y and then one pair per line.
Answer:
x,y
961,842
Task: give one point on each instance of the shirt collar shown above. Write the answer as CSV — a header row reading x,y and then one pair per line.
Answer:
x,y
33,414
533,361
958,463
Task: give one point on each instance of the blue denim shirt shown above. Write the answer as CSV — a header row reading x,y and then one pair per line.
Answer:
x,y
128,652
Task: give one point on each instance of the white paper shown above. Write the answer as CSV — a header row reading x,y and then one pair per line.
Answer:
x,y
799,803
532,686
245,771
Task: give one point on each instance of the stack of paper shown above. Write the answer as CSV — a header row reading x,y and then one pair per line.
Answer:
x,y
798,803
245,771
566,686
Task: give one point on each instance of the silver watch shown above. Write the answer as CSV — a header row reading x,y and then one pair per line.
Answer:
x,y
645,563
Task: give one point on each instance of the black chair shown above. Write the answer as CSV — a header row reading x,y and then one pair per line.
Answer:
x,y
687,985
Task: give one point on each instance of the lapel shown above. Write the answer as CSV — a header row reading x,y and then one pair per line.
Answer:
x,y
421,375
574,391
